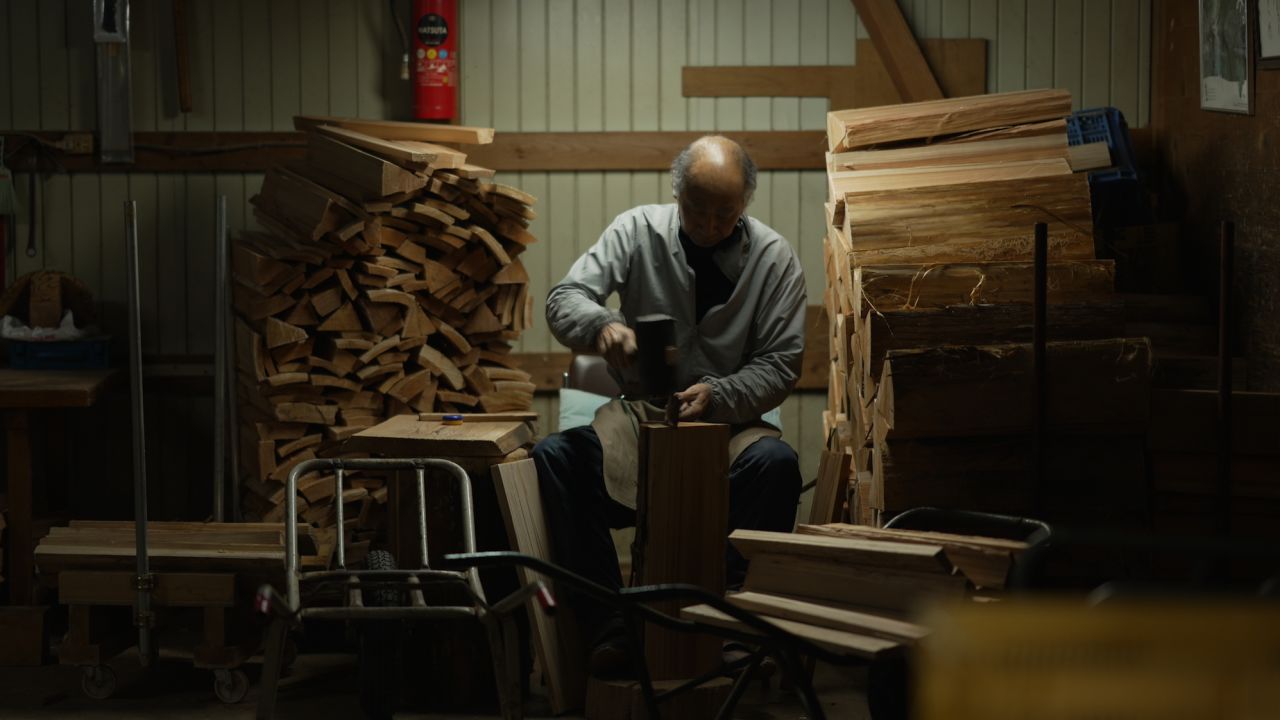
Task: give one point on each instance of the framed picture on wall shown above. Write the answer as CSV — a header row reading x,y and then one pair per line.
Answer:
x,y
1226,58
1269,34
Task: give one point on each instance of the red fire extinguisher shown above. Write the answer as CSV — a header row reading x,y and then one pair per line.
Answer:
x,y
435,59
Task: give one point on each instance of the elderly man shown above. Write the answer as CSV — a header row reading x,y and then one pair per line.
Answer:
x,y
736,292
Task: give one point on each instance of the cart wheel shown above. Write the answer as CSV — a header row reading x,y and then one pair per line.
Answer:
x,y
380,649
98,681
230,685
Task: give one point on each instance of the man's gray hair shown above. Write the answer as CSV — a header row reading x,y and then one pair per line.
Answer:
x,y
680,170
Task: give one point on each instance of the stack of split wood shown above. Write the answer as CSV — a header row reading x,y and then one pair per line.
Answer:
x,y
853,589
931,219
389,281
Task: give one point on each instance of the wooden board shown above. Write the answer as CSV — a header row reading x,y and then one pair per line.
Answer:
x,y
887,555
868,127
961,66
555,637
898,49
830,491
407,436
53,388
920,286
838,641
392,130
682,467
849,584
828,616
985,561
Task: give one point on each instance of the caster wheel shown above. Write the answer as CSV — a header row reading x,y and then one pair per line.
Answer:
x,y
230,685
98,682
380,649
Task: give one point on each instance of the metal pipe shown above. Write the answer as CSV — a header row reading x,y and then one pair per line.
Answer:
x,y
220,360
143,579
1226,253
1039,360
342,530
421,477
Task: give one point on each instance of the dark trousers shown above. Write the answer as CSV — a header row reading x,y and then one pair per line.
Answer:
x,y
764,489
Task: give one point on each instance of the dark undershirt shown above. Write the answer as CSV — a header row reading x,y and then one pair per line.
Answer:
x,y
711,287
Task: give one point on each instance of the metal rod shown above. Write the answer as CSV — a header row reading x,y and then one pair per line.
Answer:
x,y
421,477
1039,360
342,531
1225,262
143,579
220,361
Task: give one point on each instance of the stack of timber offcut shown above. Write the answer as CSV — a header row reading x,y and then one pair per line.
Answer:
x,y
853,589
388,281
929,248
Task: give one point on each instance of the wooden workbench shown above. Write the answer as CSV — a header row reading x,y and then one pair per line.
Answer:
x,y
22,391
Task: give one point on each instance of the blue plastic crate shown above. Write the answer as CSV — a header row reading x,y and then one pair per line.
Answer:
x,y
1105,124
88,353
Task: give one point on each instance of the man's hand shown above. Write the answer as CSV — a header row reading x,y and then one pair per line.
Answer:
x,y
617,343
695,401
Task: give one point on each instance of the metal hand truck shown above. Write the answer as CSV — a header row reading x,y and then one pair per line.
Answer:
x,y
376,597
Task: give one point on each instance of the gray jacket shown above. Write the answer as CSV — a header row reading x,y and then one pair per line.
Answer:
x,y
748,350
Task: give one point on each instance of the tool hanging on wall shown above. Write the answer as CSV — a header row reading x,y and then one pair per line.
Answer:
x,y
111,35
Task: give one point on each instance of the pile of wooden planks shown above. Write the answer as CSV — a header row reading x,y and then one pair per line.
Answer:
x,y
854,589
928,252
389,281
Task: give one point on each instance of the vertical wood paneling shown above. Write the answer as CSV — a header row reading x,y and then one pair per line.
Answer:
x,y
113,297
172,262
199,199
506,57
702,44
1095,87
673,54
1039,45
54,108
560,68
200,42
371,35
87,232
24,56
1068,46
617,65
533,65
477,67
984,22
82,94
1125,19
288,88
729,23
6,63
56,247
143,188
313,58
144,61
1011,46
228,80
757,49
955,19
343,75
255,79
1144,64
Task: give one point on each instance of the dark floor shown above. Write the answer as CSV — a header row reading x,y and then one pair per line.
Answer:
x,y
321,686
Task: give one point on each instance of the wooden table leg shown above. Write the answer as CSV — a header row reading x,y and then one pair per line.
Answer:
x,y
21,546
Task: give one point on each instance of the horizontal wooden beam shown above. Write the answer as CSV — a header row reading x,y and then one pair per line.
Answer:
x,y
165,152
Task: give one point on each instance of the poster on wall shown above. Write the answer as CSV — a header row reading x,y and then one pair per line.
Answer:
x,y
1269,33
1225,57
